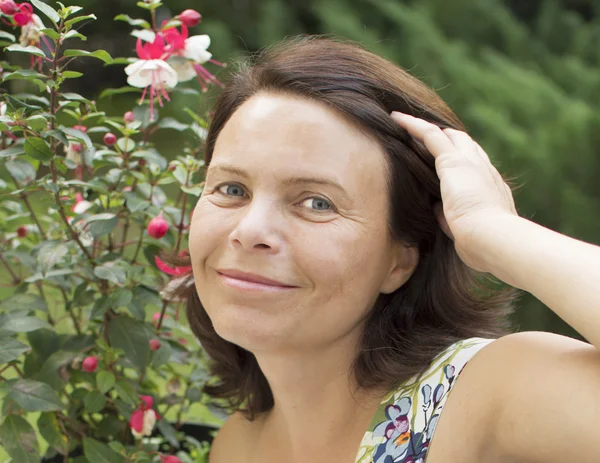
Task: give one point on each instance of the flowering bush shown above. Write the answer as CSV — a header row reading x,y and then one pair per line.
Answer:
x,y
87,337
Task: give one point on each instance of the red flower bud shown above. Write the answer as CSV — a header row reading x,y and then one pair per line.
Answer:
x,y
8,7
182,341
172,167
154,344
110,139
158,227
90,364
142,162
129,116
169,459
190,18
22,231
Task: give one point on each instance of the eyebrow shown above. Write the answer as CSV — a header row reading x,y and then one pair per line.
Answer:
x,y
286,181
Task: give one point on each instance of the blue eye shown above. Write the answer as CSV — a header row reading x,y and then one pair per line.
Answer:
x,y
321,202
230,185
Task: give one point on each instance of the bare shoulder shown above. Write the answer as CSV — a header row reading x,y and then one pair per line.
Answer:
x,y
541,388
230,440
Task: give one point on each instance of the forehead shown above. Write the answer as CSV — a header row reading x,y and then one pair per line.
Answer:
x,y
273,132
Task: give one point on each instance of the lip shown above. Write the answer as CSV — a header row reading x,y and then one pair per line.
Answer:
x,y
242,282
251,278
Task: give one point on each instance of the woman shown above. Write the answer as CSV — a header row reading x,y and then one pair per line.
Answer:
x,y
341,252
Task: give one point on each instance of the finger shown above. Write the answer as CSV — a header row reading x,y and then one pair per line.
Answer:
x,y
465,145
436,141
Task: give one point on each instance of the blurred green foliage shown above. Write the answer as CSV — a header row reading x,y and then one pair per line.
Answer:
x,y
524,76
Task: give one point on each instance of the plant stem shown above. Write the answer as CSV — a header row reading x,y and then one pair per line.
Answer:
x,y
31,211
70,311
180,227
16,279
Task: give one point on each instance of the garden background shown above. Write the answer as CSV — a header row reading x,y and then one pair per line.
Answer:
x,y
523,75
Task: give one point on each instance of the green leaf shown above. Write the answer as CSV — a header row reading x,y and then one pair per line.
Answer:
x,y
26,74
134,202
50,12
112,272
105,380
50,430
73,34
99,54
94,401
50,33
133,22
22,170
171,123
78,19
168,432
10,349
29,49
12,151
24,301
70,10
35,396
19,440
132,336
21,323
7,36
118,91
194,190
102,224
126,392
38,149
78,135
72,74
97,452
17,104
51,254
37,122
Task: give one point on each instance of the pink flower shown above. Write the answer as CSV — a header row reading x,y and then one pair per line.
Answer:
x,y
9,7
151,70
190,18
81,205
158,226
169,459
188,55
154,344
156,318
90,364
143,419
162,266
30,23
129,116
110,139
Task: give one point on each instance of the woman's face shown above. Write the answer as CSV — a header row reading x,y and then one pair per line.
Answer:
x,y
328,240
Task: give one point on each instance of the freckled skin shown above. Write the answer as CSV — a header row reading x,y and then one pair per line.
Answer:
x,y
340,259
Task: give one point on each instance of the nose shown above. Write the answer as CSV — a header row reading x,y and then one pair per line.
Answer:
x,y
257,226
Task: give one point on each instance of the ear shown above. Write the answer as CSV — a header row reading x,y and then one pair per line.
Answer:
x,y
403,263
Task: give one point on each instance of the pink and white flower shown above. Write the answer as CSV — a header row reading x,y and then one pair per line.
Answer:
x,y
151,70
143,419
188,54
31,25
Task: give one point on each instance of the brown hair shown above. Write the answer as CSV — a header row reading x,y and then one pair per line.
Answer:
x,y
444,300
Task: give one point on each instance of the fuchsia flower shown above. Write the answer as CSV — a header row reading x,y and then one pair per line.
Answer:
x,y
158,226
110,139
169,459
143,419
154,344
9,7
129,117
175,271
81,205
188,54
151,70
190,18
90,364
30,23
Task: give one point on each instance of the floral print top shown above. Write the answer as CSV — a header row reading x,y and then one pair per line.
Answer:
x,y
403,427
